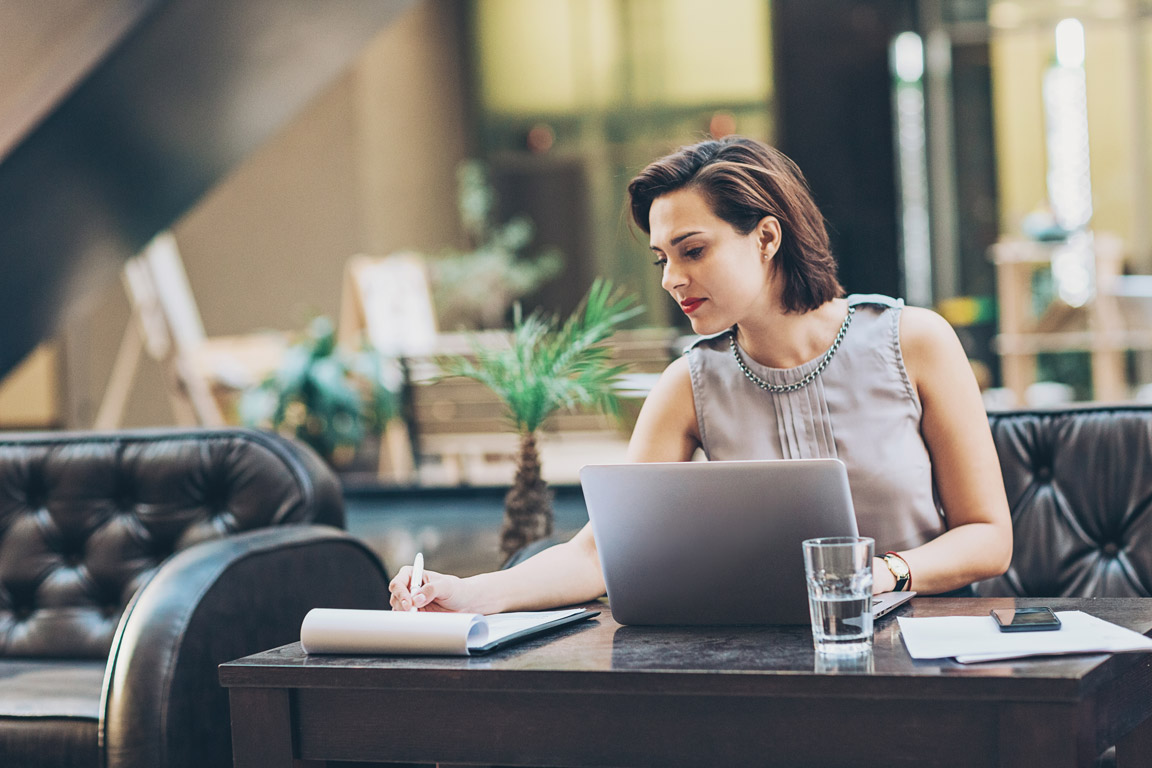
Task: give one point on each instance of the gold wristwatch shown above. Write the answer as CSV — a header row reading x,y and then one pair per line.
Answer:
x,y
899,569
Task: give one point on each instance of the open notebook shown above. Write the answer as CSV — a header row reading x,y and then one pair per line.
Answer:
x,y
359,632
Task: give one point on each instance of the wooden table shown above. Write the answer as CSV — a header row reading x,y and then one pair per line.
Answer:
x,y
602,694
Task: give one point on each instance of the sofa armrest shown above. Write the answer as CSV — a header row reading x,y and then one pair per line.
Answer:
x,y
212,603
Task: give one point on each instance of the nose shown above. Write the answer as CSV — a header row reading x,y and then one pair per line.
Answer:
x,y
673,277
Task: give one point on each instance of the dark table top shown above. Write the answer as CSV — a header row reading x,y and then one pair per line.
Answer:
x,y
602,655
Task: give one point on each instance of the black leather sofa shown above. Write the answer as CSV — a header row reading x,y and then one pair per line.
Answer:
x,y
133,563
1079,485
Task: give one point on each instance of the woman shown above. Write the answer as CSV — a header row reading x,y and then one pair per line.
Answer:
x,y
788,369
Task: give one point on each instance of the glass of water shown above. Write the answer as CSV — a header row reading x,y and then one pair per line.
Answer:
x,y
839,572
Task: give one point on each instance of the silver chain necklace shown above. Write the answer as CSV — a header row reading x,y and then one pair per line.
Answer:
x,y
808,379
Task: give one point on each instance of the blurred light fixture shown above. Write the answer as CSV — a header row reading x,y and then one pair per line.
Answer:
x,y
1069,172
1073,270
906,60
908,57
1066,123
1070,43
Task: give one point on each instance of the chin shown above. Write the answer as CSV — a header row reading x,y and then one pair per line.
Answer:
x,y
707,327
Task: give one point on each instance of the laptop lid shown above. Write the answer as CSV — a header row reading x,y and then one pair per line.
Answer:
x,y
714,542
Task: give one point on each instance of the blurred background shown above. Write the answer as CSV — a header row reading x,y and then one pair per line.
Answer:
x,y
283,213
988,158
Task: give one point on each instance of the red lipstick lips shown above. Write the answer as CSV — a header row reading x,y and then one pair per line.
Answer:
x,y
691,305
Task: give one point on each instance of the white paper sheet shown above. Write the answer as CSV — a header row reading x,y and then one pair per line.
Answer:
x,y
501,625
425,633
977,638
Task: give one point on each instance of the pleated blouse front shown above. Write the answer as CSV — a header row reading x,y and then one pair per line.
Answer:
x,y
861,409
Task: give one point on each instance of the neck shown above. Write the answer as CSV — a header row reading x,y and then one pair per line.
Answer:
x,y
787,340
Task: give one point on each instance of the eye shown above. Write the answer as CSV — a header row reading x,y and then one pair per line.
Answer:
x,y
694,253
660,262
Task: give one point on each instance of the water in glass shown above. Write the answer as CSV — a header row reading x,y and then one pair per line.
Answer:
x,y
841,624
839,575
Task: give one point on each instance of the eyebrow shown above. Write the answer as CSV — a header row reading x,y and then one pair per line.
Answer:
x,y
676,240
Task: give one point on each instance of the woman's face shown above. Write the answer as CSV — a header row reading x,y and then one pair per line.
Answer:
x,y
716,275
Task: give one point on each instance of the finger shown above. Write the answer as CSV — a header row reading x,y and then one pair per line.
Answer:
x,y
428,577
424,595
400,599
435,589
399,583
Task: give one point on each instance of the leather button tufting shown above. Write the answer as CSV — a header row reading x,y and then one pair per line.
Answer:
x,y
1111,549
35,492
1044,473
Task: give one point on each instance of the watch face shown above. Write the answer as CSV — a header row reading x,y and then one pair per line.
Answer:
x,y
898,567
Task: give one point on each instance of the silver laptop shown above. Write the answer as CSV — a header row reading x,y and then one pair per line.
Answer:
x,y
715,542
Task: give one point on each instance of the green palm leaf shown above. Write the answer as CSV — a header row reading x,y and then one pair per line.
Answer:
x,y
551,365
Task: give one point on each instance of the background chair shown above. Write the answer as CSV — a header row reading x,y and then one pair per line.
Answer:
x,y
202,375
1079,485
132,564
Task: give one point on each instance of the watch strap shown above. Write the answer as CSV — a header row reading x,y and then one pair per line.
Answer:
x,y
902,573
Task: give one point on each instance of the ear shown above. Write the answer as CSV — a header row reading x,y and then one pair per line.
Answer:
x,y
768,236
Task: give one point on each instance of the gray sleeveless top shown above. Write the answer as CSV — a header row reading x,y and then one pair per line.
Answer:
x,y
862,409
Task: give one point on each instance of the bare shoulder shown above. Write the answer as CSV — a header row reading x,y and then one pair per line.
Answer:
x,y
666,428
676,376
931,349
671,396
923,331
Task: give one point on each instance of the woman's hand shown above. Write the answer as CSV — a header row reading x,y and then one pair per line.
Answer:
x,y
439,592
565,574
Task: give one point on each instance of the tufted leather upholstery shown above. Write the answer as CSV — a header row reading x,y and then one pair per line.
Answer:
x,y
133,563
86,519
1079,486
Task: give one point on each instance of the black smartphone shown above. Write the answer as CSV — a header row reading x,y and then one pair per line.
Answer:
x,y
1025,619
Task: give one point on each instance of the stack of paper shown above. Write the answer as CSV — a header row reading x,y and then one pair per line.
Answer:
x,y
424,633
977,638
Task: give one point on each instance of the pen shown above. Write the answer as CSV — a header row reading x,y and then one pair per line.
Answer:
x,y
417,578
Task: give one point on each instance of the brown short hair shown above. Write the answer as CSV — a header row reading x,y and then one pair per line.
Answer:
x,y
743,181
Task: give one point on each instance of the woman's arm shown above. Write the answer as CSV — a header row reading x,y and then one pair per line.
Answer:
x,y
566,573
978,542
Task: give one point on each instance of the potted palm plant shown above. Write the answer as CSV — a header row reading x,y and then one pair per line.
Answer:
x,y
549,365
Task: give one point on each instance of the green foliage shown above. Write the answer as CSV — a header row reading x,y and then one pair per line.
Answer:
x,y
474,288
550,365
324,395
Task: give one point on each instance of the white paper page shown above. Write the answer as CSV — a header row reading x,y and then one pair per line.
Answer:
x,y
977,638
343,630
501,625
